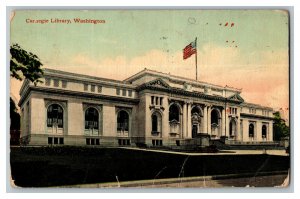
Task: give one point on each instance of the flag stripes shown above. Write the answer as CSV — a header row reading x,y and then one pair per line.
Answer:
x,y
189,50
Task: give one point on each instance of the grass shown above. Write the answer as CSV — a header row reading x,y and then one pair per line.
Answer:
x,y
56,166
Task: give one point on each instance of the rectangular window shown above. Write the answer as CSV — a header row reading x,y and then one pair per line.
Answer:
x,y
61,140
49,140
47,81
124,92
88,141
124,142
99,89
92,141
64,83
85,87
156,142
93,88
129,93
55,140
56,83
118,91
152,99
97,142
161,101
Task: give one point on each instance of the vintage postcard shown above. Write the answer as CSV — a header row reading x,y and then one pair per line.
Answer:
x,y
149,98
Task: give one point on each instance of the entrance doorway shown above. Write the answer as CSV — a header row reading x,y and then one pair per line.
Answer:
x,y
194,131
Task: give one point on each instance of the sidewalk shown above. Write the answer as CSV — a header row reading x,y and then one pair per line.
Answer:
x,y
266,179
222,152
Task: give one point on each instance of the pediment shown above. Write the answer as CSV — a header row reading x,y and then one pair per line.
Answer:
x,y
159,83
236,97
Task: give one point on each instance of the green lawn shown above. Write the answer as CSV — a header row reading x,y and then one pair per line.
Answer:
x,y
47,166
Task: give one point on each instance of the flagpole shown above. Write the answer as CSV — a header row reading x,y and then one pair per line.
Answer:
x,y
196,59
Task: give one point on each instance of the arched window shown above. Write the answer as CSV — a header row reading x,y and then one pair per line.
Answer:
x,y
174,113
251,130
264,131
55,116
91,118
154,123
123,121
196,110
214,117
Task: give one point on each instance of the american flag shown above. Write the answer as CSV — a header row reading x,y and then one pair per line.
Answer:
x,y
189,50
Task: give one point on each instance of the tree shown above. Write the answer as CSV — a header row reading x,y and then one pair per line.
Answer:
x,y
25,64
14,124
281,130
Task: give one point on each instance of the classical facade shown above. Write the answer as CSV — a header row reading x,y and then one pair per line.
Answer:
x,y
149,108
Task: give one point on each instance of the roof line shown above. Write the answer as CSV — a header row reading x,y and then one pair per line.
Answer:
x,y
175,76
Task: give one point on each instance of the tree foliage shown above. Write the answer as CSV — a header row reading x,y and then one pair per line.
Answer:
x,y
25,64
14,116
281,130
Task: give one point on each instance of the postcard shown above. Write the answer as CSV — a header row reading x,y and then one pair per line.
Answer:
x,y
149,98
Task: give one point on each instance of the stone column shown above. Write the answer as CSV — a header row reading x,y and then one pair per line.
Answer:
x,y
209,120
270,131
238,129
227,125
245,130
205,119
189,120
223,122
165,118
258,130
184,120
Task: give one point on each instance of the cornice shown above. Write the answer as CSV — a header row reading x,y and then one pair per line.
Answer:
x,y
77,94
246,115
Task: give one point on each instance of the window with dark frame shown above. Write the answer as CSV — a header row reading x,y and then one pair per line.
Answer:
x,y
154,123
55,116
264,131
174,113
56,83
47,81
118,91
99,89
91,118
85,87
123,92
97,142
49,140
92,88
64,83
123,121
130,93
251,130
